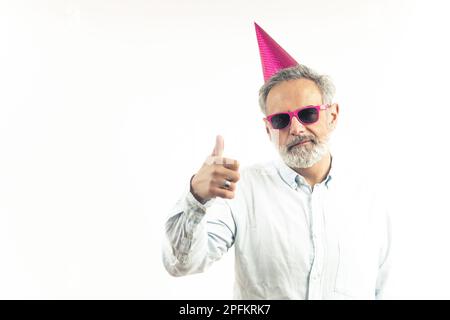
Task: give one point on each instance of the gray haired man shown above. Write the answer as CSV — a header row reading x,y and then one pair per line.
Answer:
x,y
302,228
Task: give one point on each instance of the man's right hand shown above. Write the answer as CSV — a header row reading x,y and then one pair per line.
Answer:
x,y
210,181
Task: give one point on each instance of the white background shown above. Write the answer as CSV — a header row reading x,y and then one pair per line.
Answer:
x,y
108,107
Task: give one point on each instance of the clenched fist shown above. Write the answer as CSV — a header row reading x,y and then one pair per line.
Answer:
x,y
217,177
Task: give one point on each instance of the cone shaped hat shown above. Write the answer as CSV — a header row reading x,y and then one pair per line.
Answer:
x,y
273,56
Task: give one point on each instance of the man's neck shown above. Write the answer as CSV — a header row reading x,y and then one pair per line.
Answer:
x,y
318,172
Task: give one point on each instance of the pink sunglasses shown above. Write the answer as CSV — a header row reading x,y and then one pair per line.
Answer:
x,y
306,115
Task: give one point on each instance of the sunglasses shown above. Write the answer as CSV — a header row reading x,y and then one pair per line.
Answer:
x,y
306,115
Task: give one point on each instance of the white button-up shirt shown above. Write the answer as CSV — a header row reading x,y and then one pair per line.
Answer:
x,y
291,241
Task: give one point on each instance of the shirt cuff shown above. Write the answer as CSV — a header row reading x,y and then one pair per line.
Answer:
x,y
195,204
190,205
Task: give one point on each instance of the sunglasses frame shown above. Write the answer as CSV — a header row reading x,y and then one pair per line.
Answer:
x,y
295,114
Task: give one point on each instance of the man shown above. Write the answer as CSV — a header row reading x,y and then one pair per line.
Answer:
x,y
301,227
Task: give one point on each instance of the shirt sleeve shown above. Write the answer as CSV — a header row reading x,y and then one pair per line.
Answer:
x,y
197,234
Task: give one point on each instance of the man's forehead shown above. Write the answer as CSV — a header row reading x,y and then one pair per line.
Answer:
x,y
294,93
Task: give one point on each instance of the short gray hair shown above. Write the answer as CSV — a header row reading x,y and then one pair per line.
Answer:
x,y
299,71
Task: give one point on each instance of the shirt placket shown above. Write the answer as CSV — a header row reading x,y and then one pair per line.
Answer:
x,y
316,226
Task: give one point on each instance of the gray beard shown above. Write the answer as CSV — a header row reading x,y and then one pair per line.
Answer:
x,y
303,156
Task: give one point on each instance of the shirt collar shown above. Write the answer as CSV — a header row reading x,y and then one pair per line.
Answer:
x,y
293,179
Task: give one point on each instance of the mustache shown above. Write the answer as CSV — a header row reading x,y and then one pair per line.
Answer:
x,y
300,139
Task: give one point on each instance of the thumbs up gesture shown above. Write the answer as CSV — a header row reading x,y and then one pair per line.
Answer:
x,y
217,177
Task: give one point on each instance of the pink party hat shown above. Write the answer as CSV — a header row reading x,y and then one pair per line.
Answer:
x,y
273,56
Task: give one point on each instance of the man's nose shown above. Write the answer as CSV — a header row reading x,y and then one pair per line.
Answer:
x,y
296,127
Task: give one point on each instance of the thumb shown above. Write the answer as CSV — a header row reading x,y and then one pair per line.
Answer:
x,y
218,148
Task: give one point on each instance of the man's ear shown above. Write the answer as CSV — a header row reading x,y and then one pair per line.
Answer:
x,y
334,114
266,123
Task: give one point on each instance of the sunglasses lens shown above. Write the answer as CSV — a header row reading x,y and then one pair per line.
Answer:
x,y
280,121
308,115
